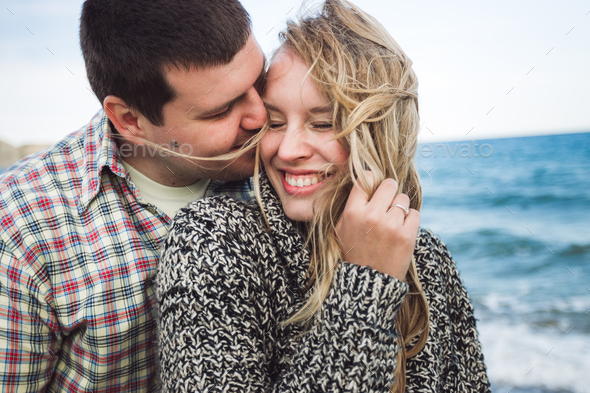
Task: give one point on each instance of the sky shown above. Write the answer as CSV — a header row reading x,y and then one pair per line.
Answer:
x,y
487,69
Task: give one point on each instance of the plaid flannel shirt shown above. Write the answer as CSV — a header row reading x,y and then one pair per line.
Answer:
x,y
79,250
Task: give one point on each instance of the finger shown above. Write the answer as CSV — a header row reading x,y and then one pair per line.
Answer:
x,y
357,199
401,199
412,221
357,195
384,195
396,211
408,231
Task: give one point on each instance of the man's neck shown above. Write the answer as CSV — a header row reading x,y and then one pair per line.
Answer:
x,y
167,199
156,168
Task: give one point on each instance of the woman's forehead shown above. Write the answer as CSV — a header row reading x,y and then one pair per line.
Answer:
x,y
282,62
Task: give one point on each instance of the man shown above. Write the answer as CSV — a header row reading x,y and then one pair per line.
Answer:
x,y
82,221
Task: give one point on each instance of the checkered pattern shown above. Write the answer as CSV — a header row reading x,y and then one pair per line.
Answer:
x,y
78,253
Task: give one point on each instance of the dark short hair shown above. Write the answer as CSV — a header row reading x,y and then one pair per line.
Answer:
x,y
127,45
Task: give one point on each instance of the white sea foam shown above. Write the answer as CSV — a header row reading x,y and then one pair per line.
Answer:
x,y
517,355
502,303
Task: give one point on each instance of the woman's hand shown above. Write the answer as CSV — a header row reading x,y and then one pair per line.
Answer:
x,y
376,233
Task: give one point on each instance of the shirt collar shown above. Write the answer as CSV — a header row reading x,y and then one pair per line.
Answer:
x,y
99,150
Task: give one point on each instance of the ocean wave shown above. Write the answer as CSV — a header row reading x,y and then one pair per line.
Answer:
x,y
575,250
545,314
503,388
518,303
495,243
482,198
518,355
490,243
541,200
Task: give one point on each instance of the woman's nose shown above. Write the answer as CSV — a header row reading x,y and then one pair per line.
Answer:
x,y
295,145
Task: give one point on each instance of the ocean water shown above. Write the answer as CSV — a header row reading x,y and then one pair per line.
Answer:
x,y
515,215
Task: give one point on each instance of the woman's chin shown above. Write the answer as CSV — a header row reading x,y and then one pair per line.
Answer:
x,y
298,211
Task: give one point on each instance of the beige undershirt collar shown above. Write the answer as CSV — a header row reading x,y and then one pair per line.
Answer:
x,y
168,199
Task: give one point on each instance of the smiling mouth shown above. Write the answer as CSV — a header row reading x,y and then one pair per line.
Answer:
x,y
302,181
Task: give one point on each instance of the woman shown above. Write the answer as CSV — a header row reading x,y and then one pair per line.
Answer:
x,y
325,284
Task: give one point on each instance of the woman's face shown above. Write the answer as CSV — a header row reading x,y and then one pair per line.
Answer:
x,y
299,146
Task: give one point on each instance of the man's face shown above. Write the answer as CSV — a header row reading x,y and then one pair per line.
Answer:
x,y
215,112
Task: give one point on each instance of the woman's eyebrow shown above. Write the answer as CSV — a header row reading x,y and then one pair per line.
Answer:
x,y
321,109
271,107
316,111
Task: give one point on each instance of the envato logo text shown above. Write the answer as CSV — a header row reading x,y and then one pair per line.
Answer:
x,y
127,150
464,150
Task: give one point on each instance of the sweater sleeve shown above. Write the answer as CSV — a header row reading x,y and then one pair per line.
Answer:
x,y
215,319
468,357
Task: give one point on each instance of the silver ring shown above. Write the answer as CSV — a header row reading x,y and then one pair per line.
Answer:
x,y
407,211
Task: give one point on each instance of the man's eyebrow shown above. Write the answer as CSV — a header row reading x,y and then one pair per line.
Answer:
x,y
221,107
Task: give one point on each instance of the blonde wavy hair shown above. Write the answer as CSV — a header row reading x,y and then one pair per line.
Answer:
x,y
359,67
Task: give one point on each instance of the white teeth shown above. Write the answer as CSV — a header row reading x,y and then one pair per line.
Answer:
x,y
300,182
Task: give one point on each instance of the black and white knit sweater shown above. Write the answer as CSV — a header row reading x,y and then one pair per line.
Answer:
x,y
225,283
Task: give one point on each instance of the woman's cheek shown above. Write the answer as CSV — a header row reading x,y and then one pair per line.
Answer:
x,y
338,153
269,146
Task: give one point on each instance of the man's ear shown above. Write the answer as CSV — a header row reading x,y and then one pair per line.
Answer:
x,y
124,119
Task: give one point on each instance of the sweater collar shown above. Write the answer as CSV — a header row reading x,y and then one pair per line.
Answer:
x,y
284,231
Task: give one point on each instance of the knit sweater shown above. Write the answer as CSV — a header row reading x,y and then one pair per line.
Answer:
x,y
225,283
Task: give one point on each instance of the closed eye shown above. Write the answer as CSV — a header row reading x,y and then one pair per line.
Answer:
x,y
323,126
223,114
276,126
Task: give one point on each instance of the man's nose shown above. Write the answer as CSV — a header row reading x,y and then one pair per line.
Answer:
x,y
255,112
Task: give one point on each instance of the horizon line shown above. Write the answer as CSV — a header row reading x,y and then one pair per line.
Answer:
x,y
451,138
426,138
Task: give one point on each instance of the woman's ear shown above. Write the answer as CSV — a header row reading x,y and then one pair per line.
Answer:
x,y
124,119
